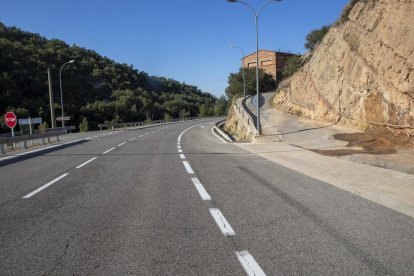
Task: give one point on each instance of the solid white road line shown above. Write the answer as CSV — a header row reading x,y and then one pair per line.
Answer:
x,y
132,139
105,152
83,164
222,223
37,150
188,167
251,267
180,150
200,188
182,156
121,144
181,134
45,186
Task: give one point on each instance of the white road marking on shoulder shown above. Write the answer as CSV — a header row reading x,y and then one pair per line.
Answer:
x,y
249,264
105,152
45,186
121,144
83,164
222,223
132,139
182,156
188,167
200,188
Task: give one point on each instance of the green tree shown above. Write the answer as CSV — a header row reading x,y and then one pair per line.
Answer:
x,y
315,37
235,81
292,65
202,111
84,125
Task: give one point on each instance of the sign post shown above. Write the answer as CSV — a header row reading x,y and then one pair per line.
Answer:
x,y
11,121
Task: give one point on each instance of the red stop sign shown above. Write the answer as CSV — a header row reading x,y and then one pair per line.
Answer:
x,y
10,119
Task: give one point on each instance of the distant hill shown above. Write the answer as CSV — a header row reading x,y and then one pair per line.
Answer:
x,y
94,87
362,71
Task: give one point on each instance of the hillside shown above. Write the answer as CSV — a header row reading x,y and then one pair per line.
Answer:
x,y
94,87
362,72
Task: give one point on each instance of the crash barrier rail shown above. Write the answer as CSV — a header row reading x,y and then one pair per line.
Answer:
x,y
24,138
113,126
223,134
245,115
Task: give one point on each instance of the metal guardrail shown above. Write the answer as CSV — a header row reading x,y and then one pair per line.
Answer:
x,y
152,123
225,135
25,138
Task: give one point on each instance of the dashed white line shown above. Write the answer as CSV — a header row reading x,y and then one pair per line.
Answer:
x,y
132,139
222,223
45,186
180,150
188,167
249,264
121,144
182,156
105,152
90,137
83,164
200,188
179,147
141,135
96,136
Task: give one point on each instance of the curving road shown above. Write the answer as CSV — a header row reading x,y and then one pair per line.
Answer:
x,y
176,200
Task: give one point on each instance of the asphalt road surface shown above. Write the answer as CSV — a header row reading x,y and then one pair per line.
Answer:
x,y
176,200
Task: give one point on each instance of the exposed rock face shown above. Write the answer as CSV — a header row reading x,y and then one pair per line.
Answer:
x,y
363,69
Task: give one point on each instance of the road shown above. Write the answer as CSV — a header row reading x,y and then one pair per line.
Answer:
x,y
176,200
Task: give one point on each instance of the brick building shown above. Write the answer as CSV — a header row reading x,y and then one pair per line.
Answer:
x,y
270,61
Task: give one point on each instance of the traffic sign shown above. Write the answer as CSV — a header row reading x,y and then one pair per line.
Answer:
x,y
67,118
10,119
29,121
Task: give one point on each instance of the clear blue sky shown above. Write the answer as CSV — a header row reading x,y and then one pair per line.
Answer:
x,y
187,40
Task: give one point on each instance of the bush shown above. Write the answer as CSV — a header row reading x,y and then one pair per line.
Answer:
x,y
315,37
292,65
84,125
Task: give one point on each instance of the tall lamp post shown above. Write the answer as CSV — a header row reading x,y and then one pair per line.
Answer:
x,y
256,17
61,93
244,79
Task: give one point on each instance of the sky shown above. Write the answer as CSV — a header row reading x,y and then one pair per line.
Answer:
x,y
187,40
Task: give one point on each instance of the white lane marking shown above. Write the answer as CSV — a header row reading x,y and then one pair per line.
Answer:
x,y
182,156
212,131
180,150
45,186
188,167
83,164
90,137
105,152
132,139
222,223
181,134
121,144
141,135
96,136
249,264
202,126
179,147
200,188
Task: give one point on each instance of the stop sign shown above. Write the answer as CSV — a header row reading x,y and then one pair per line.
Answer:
x,y
10,119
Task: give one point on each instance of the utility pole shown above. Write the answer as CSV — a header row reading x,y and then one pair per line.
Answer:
x,y
52,110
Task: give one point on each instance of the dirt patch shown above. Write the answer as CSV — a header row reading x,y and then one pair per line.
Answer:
x,y
376,140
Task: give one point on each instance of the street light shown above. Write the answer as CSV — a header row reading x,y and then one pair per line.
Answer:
x,y
256,17
244,80
61,93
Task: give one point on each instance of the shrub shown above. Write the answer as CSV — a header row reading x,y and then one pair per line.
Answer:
x,y
84,125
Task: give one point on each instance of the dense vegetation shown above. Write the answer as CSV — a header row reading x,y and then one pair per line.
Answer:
x,y
315,37
235,81
96,89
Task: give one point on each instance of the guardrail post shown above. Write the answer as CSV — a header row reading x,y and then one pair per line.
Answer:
x,y
57,138
25,144
43,141
2,149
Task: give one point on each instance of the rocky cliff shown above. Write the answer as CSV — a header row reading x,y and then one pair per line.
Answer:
x,y
362,72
